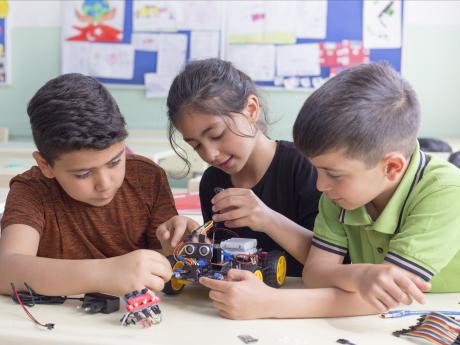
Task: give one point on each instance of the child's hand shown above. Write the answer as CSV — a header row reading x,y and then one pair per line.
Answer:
x,y
239,207
386,286
241,297
142,268
173,230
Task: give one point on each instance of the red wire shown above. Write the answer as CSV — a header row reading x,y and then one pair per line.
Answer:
x,y
31,317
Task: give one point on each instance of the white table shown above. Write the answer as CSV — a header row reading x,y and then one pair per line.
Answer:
x,y
189,318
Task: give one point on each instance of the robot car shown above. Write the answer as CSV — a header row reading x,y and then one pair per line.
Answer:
x,y
198,256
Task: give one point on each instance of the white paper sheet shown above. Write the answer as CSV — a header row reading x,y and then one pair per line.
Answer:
x,y
154,15
311,19
111,60
171,54
298,60
261,22
204,44
382,24
200,15
258,61
102,60
73,15
75,57
145,42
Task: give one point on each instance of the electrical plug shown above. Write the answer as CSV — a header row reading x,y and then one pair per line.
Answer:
x,y
100,303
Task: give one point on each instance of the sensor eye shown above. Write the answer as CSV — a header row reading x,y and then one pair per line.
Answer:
x,y
204,250
189,249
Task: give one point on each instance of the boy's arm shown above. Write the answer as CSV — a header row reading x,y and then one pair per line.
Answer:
x,y
246,297
19,264
382,285
325,269
117,275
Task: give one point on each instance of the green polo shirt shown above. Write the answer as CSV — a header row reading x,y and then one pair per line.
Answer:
x,y
419,229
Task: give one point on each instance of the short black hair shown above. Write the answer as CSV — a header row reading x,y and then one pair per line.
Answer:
x,y
366,110
74,112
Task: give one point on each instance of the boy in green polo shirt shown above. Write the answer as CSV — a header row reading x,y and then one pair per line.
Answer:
x,y
392,208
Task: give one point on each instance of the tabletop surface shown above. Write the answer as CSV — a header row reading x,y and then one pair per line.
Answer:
x,y
189,318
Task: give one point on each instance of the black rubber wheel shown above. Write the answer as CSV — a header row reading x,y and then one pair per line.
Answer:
x,y
275,269
254,269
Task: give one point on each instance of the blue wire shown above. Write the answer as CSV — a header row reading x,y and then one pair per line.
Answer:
x,y
401,313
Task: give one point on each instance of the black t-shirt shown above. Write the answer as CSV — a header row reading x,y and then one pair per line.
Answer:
x,y
288,187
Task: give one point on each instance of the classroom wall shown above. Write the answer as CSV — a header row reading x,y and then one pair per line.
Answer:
x,y
430,62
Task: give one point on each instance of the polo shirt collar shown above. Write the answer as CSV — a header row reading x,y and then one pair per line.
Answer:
x,y
389,220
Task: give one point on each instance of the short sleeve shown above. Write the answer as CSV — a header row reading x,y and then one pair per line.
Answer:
x,y
24,206
430,235
163,208
329,233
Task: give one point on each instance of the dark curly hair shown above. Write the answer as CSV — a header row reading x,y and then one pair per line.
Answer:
x,y
74,112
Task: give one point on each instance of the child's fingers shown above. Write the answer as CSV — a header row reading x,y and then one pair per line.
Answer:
x,y
218,297
225,314
233,201
220,306
191,224
386,299
421,284
218,285
239,275
162,271
229,215
155,283
226,193
407,284
381,307
237,223
398,295
179,228
162,232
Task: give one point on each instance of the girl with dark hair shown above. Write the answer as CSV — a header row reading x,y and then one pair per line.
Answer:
x,y
268,187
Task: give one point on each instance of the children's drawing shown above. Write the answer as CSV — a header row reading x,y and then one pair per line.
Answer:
x,y
94,20
382,24
154,16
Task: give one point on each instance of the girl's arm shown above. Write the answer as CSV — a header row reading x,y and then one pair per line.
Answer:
x,y
239,207
294,239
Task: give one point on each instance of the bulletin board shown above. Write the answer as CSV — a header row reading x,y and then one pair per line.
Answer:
x,y
4,44
308,42
138,42
282,45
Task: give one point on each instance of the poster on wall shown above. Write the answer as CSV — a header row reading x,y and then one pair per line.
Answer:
x,y
4,75
93,39
382,24
93,20
280,45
